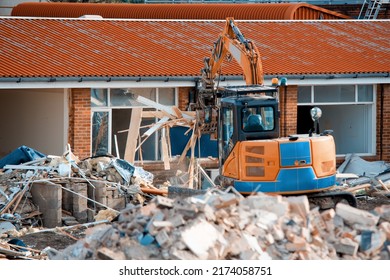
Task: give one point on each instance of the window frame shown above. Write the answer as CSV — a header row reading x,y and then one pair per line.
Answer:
x,y
371,149
108,108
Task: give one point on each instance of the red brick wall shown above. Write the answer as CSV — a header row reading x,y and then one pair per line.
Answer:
x,y
383,123
289,112
80,122
183,97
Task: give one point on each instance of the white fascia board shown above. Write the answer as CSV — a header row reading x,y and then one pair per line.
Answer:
x,y
97,84
317,81
186,83
339,81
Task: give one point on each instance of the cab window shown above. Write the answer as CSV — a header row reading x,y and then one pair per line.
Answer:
x,y
256,119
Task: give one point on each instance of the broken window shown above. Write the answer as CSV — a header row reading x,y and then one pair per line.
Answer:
x,y
100,144
99,97
121,119
120,97
111,118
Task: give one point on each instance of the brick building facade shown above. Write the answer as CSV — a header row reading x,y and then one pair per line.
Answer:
x,y
80,122
67,69
383,123
80,118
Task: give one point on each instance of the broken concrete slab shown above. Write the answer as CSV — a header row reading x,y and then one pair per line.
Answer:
x,y
356,165
6,227
193,237
48,197
353,215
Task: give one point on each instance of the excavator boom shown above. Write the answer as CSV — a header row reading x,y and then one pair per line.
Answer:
x,y
232,43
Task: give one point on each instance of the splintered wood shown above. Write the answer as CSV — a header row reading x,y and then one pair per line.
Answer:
x,y
222,225
169,116
132,136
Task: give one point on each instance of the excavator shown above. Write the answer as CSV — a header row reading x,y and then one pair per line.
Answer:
x,y
252,156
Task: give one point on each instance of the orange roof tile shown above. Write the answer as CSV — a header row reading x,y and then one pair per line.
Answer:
x,y
178,11
32,47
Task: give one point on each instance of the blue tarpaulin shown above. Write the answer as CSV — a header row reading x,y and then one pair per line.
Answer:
x,y
21,155
208,147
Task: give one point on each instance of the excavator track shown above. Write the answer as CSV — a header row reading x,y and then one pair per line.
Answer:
x,y
329,199
324,200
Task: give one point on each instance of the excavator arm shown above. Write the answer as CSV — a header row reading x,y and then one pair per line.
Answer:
x,y
231,43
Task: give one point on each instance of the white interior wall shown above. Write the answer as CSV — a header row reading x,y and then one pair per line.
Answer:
x,y
35,118
351,125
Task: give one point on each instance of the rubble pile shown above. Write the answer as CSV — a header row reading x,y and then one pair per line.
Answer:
x,y
56,191
225,225
98,183
15,203
133,219
13,250
364,178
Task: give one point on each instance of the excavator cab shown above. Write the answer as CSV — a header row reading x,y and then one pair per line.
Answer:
x,y
246,113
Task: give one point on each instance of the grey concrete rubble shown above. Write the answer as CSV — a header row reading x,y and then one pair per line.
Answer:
x,y
43,192
63,191
131,218
224,225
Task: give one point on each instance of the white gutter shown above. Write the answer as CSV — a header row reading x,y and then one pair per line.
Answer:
x,y
161,82
97,84
339,81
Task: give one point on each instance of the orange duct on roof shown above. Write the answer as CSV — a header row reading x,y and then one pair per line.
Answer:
x,y
282,11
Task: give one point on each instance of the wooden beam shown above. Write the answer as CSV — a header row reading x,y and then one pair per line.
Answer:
x,y
168,135
186,148
165,151
161,107
12,253
154,191
177,111
358,187
153,114
10,203
383,185
156,126
132,136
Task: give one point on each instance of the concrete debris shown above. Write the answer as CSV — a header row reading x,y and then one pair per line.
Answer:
x,y
109,208
224,225
6,227
48,188
356,165
366,180
56,191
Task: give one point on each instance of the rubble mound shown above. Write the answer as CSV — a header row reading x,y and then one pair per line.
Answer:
x,y
225,226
